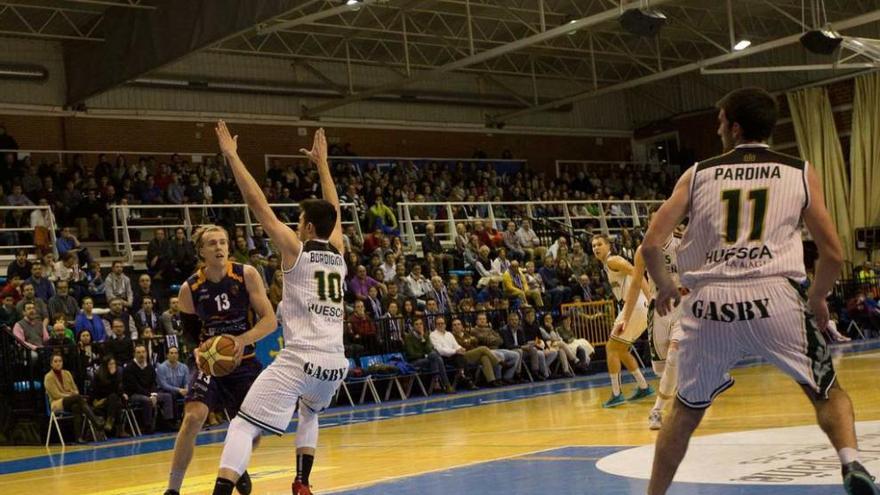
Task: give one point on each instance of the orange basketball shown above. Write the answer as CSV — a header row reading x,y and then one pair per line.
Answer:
x,y
217,356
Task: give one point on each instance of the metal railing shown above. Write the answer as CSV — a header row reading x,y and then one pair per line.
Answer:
x,y
608,216
501,165
130,219
591,320
130,156
7,249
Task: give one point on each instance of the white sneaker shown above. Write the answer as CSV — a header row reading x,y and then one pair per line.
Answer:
x,y
655,419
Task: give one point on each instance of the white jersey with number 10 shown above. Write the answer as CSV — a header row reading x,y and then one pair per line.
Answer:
x,y
312,311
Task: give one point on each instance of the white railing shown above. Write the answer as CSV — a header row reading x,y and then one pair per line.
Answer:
x,y
130,156
7,249
126,220
571,215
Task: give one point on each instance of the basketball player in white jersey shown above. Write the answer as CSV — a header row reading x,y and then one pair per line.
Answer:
x,y
663,331
312,364
620,273
742,259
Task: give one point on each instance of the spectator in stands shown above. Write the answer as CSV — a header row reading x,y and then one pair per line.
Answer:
x,y
474,352
372,242
393,295
484,268
417,286
68,242
583,289
173,376
175,191
68,270
581,348
510,360
558,292
29,296
515,340
546,355
13,288
512,243
454,354
9,314
393,326
139,382
421,355
183,256
438,293
362,329
171,318
578,259
276,289
530,242
465,290
431,245
64,397
373,303
62,303
145,289
389,267
501,263
158,254
256,260
89,355
516,286
90,216
17,197
21,266
554,248
360,284
95,279
31,331
118,285
61,336
117,311
107,397
380,216
567,357
87,320
491,292
48,262
43,288
147,318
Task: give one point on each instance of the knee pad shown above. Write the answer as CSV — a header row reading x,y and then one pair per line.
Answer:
x,y
307,427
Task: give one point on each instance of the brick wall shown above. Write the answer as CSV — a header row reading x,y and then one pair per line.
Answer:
x,y
74,133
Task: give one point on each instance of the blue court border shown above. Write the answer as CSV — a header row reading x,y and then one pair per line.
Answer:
x,y
338,417
560,471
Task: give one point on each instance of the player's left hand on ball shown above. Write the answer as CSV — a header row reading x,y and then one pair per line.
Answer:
x,y
239,347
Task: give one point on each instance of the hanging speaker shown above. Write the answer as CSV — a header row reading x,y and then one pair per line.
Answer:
x,y
822,42
642,22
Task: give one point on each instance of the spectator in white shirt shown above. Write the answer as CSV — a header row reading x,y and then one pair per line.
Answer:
x,y
449,349
530,241
389,268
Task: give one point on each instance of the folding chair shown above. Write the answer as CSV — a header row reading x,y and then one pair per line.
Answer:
x,y
129,417
391,378
366,383
54,419
405,391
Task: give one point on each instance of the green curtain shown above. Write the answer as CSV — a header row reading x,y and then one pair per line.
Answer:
x,y
865,155
819,143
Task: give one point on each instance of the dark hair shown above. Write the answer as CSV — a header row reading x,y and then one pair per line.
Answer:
x,y
754,109
321,214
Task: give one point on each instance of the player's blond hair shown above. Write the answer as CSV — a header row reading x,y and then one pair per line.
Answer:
x,y
200,232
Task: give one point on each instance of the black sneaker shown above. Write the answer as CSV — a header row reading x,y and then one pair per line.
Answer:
x,y
243,485
857,480
171,492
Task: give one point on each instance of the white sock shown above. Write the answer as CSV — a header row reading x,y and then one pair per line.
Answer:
x,y
640,379
669,380
660,403
848,455
239,445
615,383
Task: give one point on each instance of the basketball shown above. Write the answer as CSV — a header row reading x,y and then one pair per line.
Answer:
x,y
217,356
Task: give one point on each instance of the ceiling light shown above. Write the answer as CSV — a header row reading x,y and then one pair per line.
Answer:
x,y
354,4
742,45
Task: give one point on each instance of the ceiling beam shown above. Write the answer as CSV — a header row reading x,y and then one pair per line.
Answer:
x,y
866,18
140,41
483,56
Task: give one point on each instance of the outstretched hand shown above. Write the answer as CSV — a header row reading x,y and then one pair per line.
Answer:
x,y
318,153
228,143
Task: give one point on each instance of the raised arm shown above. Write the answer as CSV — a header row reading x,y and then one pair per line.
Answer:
x,y
318,156
282,236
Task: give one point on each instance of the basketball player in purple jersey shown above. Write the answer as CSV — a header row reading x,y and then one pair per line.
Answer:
x,y
217,300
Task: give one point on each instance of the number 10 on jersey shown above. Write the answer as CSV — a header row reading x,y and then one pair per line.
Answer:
x,y
329,286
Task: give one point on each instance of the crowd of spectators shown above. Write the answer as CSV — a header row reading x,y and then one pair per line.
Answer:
x,y
476,296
